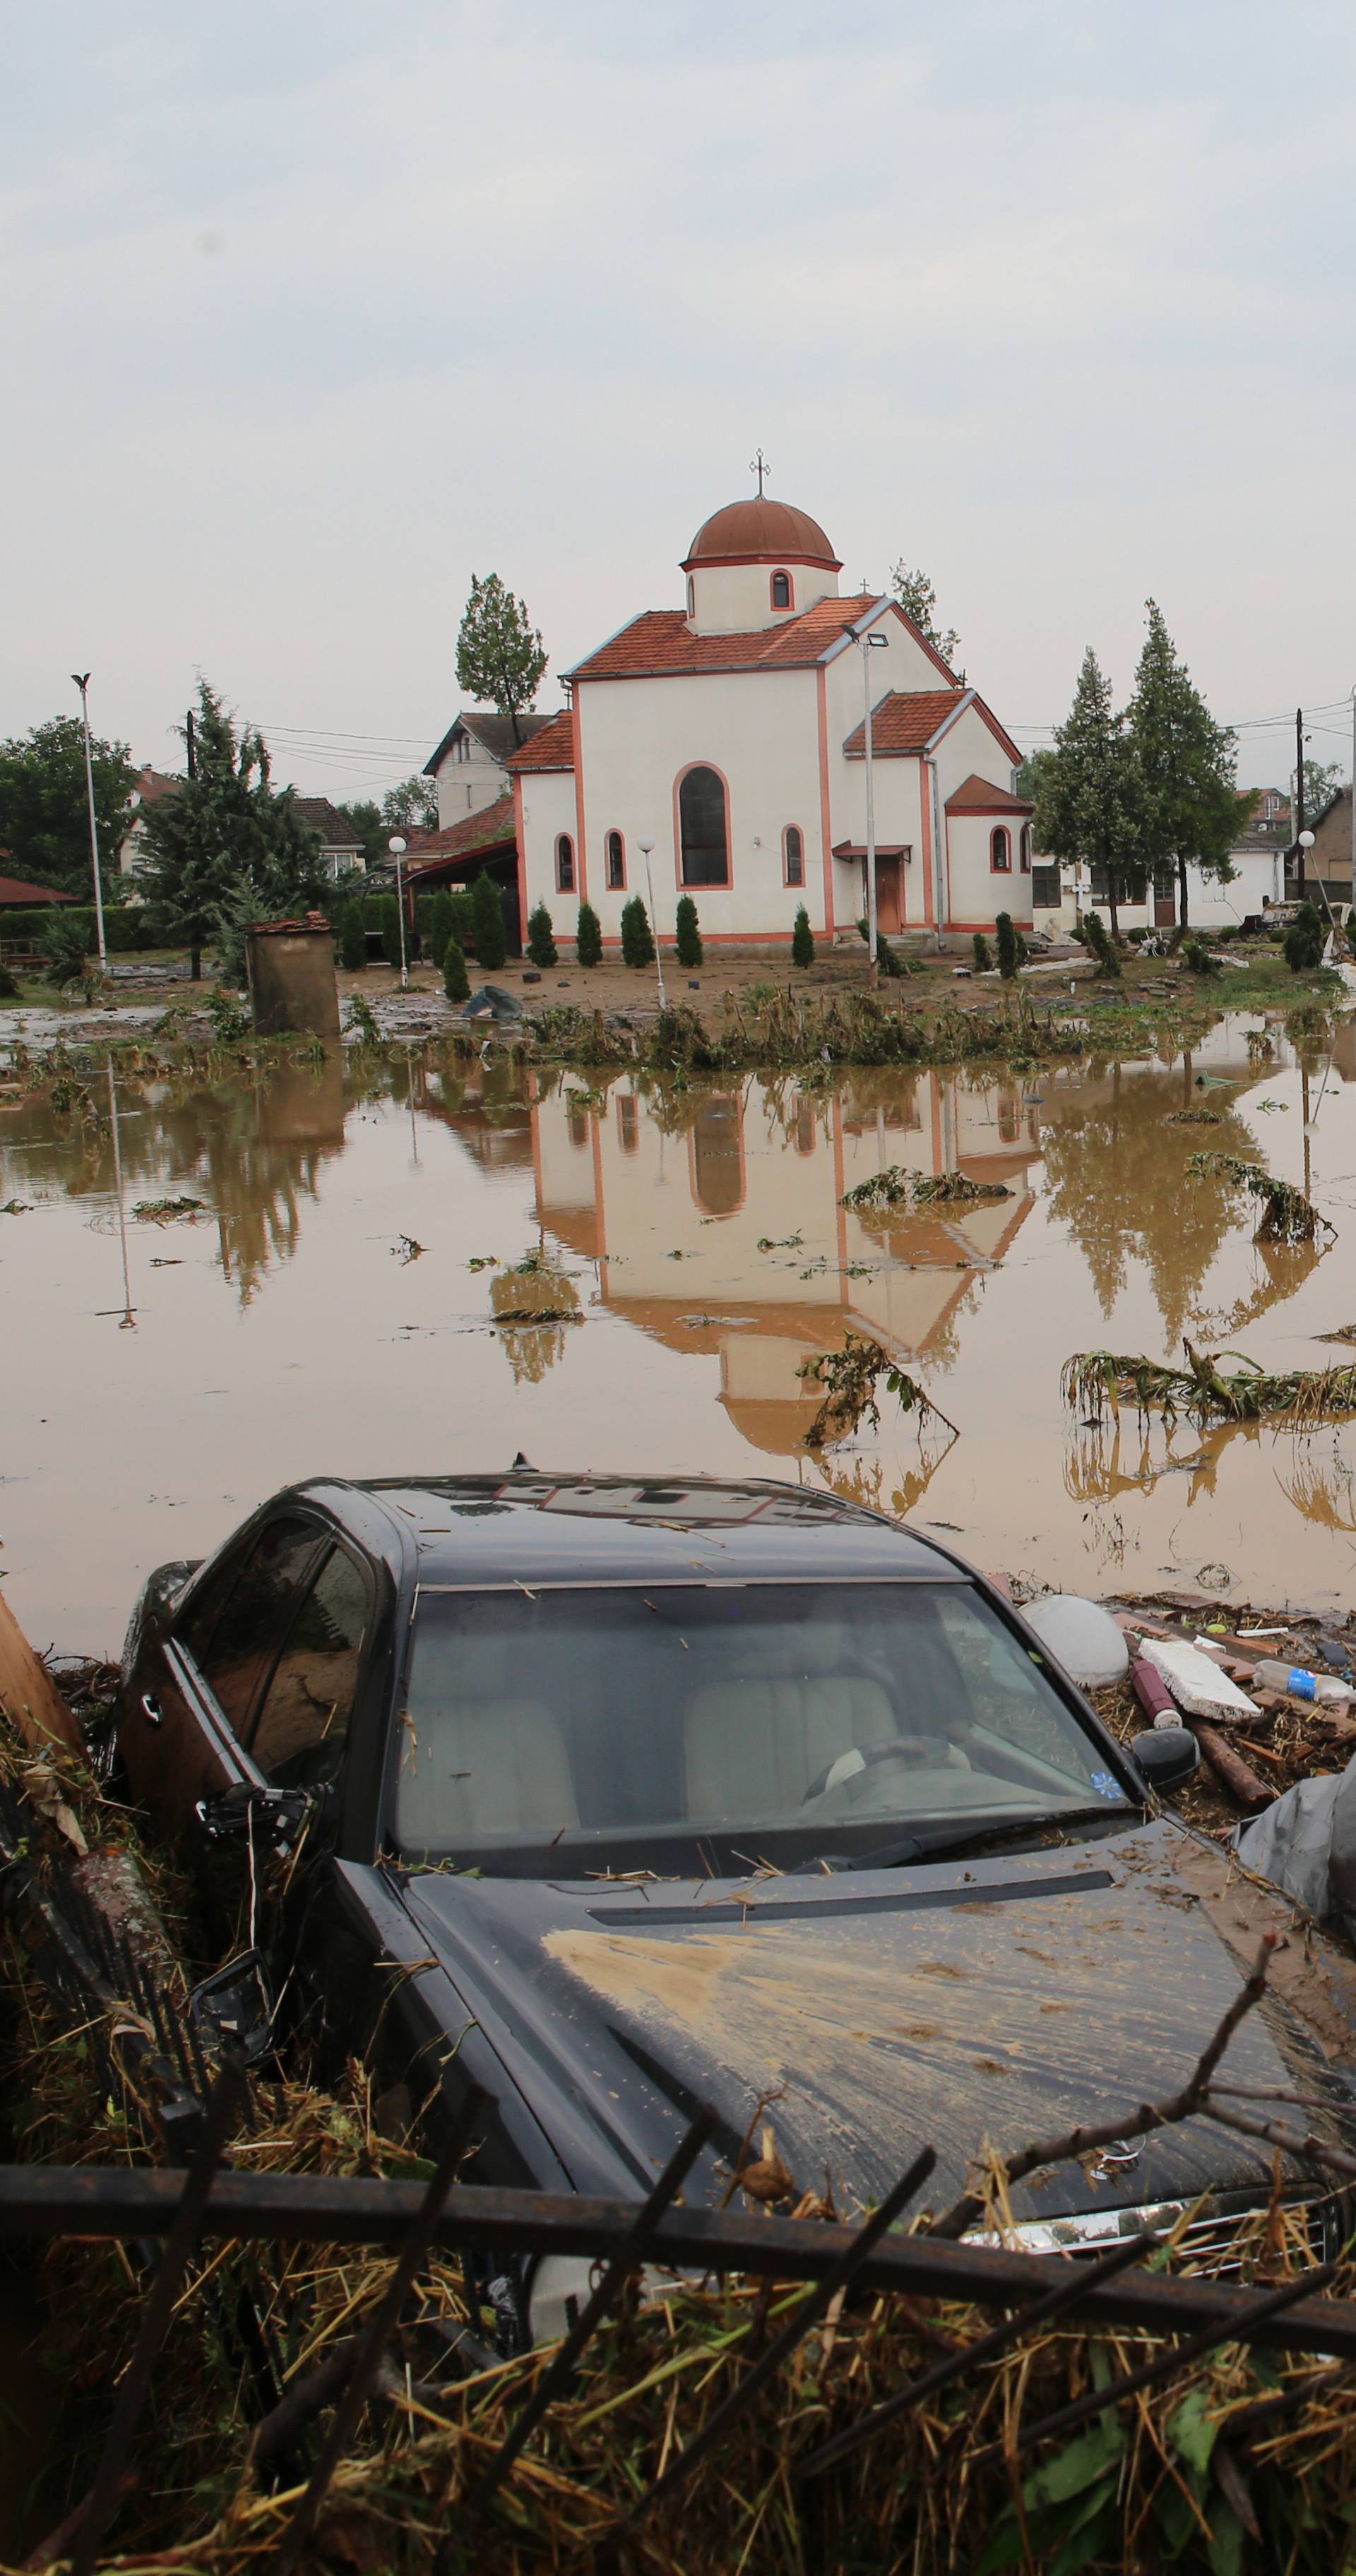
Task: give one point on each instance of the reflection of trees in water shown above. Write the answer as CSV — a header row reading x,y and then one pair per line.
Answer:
x,y
1284,1267
1132,1458
1116,1177
860,1479
1324,1490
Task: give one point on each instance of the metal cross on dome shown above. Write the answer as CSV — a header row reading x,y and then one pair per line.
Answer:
x,y
759,465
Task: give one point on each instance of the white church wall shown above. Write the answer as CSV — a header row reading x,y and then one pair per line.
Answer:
x,y
548,808
634,739
734,599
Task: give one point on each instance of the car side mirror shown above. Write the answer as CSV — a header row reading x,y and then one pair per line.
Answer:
x,y
1167,1755
272,1814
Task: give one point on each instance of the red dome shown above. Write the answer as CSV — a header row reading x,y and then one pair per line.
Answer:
x,y
761,531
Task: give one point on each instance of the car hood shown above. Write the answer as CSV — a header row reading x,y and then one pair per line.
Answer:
x,y
872,2012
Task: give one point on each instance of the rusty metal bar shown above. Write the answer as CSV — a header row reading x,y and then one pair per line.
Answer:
x,y
372,2340
769,2362
180,2245
1084,2276
94,2201
557,2376
1191,2348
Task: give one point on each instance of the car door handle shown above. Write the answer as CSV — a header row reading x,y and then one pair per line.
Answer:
x,y
152,1710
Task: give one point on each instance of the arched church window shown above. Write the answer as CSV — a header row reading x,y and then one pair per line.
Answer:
x,y
793,855
616,861
781,590
1000,850
564,864
1025,848
691,596
703,828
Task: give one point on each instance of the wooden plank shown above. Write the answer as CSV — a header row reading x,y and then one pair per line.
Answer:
x,y
28,1694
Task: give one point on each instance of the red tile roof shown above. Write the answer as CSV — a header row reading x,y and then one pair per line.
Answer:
x,y
660,641
904,722
552,748
977,795
492,828
17,891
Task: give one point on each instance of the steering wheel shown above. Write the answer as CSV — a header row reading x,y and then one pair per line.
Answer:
x,y
867,1757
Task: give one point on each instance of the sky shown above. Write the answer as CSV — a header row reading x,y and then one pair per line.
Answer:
x,y
311,312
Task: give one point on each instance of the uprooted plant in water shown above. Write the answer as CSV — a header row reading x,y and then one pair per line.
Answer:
x,y
849,1378
1095,1383
897,1187
1287,1215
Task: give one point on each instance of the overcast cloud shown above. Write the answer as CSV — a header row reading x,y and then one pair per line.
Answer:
x,y
311,312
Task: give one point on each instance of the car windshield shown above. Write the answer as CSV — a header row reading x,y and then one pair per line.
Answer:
x,y
632,1721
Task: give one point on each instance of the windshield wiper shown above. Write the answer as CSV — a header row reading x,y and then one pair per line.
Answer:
x,y
947,1843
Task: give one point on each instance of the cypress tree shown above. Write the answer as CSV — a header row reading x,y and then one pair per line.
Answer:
x,y
541,946
588,941
226,849
440,926
389,913
802,940
1304,941
689,936
636,939
979,951
488,916
352,938
1008,952
456,982
1089,801
1190,806
463,920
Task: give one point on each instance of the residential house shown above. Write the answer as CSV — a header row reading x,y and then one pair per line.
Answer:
x,y
469,768
341,851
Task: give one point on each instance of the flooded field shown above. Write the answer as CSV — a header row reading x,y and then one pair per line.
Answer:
x,y
343,1299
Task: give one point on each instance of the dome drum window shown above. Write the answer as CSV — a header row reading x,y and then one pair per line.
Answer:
x,y
781,590
1000,850
615,849
703,828
564,864
793,855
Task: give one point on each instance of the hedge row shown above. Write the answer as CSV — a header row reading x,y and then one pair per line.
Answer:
x,y
126,926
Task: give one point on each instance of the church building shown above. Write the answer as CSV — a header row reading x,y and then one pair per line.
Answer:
x,y
730,736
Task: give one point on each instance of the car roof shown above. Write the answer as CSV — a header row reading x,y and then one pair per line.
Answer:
x,y
527,1527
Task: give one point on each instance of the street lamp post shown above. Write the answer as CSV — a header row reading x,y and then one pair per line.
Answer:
x,y
646,845
81,680
397,848
870,644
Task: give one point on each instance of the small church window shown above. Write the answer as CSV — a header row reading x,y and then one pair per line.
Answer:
x,y
691,596
1000,850
781,590
564,864
794,848
703,828
616,861
1025,849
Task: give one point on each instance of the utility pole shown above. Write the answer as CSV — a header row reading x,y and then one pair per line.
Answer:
x,y
82,683
1299,801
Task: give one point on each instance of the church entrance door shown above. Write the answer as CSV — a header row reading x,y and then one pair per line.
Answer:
x,y
889,902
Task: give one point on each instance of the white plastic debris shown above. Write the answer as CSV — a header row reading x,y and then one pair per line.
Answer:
x,y
1197,1684
1081,1636
1306,1843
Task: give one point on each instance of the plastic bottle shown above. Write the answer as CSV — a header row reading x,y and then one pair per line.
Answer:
x,y
1271,1675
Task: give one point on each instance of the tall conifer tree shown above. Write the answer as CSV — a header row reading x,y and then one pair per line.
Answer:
x,y
1189,806
228,849
1086,791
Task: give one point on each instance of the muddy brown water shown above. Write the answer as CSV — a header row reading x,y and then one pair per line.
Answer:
x,y
160,1379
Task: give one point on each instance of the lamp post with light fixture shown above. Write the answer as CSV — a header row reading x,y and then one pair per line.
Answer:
x,y
645,846
397,846
81,680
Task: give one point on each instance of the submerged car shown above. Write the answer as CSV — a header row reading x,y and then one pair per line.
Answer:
x,y
615,1796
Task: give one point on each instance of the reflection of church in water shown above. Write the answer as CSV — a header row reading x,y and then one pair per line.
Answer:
x,y
686,1205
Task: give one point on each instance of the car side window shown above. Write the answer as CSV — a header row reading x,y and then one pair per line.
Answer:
x,y
234,1628
302,1726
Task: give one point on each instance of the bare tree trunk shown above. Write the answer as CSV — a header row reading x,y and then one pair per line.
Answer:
x,y
195,964
1181,893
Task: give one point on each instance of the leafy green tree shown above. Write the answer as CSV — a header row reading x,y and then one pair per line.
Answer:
x,y
413,806
1009,947
1189,808
541,946
1323,780
65,948
802,939
588,939
918,599
488,917
979,953
1030,773
229,848
365,818
1087,792
44,809
456,981
500,655
636,937
352,938
689,935
441,926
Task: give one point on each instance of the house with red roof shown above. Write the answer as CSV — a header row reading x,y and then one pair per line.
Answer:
x,y
720,750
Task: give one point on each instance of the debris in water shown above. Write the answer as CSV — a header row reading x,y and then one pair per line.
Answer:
x,y
164,1211
1095,1383
406,1249
895,1187
1193,1118
1287,1215
850,1377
